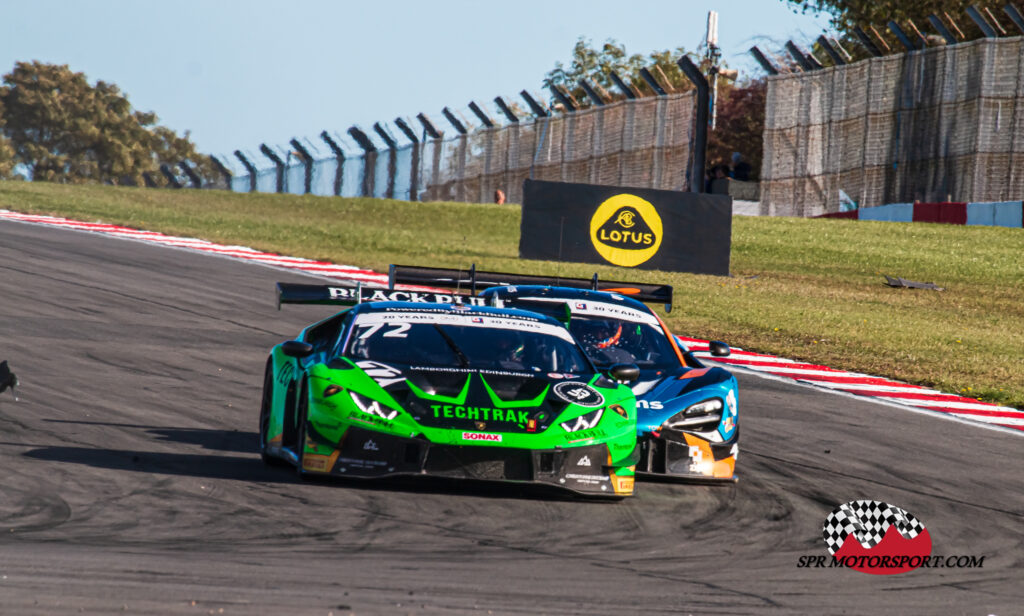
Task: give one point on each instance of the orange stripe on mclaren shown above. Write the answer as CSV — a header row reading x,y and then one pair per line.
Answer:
x,y
623,291
671,340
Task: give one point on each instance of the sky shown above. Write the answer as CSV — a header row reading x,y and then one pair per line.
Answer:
x,y
236,74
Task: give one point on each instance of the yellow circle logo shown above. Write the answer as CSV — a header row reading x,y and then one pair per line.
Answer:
x,y
626,230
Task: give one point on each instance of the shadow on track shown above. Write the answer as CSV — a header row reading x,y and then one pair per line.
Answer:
x,y
215,440
250,468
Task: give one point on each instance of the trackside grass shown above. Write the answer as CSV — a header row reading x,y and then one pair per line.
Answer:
x,y
805,289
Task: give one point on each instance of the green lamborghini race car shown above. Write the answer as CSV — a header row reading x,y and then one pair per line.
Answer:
x,y
411,383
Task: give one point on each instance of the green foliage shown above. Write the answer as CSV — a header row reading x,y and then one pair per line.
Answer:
x,y
740,124
62,129
597,65
6,151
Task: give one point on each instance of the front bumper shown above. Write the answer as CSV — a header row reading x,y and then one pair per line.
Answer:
x,y
686,456
368,454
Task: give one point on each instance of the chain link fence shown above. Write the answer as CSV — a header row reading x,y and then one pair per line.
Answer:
x,y
645,142
942,124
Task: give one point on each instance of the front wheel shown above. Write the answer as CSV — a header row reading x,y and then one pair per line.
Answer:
x,y
301,411
265,405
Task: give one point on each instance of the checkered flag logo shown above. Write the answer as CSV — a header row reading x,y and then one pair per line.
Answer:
x,y
867,521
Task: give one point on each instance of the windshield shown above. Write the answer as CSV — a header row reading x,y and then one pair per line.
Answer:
x,y
616,341
469,341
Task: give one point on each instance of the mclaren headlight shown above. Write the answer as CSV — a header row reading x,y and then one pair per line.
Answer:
x,y
699,417
583,422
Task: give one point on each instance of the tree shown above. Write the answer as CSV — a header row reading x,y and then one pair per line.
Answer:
x,y
740,125
6,152
62,129
597,65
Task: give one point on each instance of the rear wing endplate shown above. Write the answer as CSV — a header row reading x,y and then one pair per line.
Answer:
x,y
473,281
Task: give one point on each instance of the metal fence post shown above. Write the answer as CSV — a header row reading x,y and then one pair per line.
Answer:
x,y
866,41
278,163
900,35
248,167
223,170
763,60
414,172
461,153
565,98
307,161
831,51
505,109
369,160
651,81
700,138
488,147
626,88
389,193
435,158
591,93
339,155
979,19
480,113
171,178
196,181
799,56
537,109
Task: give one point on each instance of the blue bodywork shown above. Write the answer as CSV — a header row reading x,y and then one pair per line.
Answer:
x,y
678,434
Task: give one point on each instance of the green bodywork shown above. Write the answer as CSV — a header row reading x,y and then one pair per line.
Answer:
x,y
332,415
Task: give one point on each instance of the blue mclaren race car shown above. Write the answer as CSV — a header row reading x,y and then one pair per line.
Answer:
x,y
687,412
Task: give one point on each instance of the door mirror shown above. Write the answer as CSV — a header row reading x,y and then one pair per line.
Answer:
x,y
719,348
624,373
297,348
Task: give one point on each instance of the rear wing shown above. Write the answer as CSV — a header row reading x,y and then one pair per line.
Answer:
x,y
342,294
473,281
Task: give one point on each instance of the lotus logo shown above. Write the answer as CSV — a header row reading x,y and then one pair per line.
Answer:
x,y
625,219
626,230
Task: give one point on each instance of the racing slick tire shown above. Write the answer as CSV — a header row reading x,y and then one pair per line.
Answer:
x,y
301,411
265,403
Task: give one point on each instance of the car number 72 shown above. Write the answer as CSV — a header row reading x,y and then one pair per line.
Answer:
x,y
399,330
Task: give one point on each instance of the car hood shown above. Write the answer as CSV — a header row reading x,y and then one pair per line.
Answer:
x,y
498,401
665,386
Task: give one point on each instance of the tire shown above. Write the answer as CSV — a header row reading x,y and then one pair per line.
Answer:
x,y
265,404
301,410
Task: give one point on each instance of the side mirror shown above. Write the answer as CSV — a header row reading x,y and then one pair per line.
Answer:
x,y
719,348
624,373
297,348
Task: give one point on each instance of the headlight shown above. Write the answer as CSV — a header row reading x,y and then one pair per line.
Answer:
x,y
331,390
703,415
583,422
372,407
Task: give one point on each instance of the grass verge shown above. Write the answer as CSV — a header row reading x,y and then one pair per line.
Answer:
x,y
806,289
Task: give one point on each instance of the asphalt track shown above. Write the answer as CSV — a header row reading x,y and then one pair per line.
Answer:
x,y
130,484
